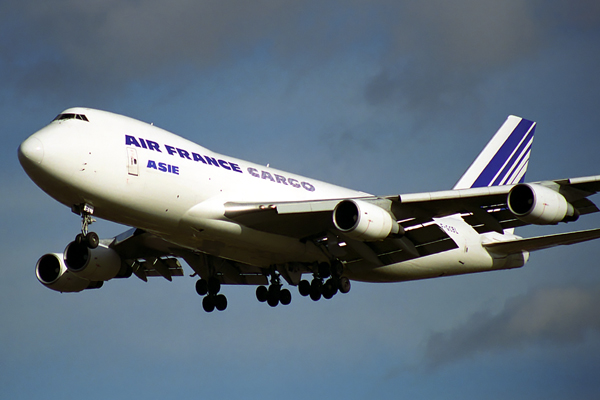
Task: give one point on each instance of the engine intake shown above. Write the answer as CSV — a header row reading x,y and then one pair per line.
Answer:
x,y
52,272
364,221
540,205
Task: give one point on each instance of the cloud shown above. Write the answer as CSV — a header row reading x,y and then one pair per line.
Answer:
x,y
426,54
556,316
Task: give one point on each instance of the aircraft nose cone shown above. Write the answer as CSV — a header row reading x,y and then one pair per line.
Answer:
x,y
31,151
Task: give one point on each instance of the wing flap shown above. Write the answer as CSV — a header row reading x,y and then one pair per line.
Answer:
x,y
543,242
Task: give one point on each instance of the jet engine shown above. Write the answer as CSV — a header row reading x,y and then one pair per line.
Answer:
x,y
363,221
99,264
52,272
540,205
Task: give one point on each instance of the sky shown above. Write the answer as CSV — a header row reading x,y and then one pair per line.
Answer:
x,y
383,96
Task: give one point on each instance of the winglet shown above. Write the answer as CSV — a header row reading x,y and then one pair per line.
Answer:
x,y
504,159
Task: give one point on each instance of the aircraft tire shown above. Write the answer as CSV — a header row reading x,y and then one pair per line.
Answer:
x,y
285,297
304,288
273,299
329,289
324,270
344,284
208,303
316,288
262,293
220,302
92,240
337,269
214,285
201,287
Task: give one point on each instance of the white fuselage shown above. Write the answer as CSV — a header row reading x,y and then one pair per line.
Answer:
x,y
139,175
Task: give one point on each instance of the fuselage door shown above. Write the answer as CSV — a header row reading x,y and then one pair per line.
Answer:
x,y
132,161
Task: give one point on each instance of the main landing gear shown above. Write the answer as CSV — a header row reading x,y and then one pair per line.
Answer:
x,y
274,294
318,287
210,290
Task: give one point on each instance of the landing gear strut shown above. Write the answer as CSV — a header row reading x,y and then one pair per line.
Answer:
x,y
85,238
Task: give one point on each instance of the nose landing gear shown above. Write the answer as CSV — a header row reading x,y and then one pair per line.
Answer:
x,y
85,238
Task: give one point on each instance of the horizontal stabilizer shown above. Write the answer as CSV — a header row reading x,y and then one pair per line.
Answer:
x,y
543,242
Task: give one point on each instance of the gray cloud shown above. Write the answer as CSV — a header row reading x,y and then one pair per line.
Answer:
x,y
559,315
429,53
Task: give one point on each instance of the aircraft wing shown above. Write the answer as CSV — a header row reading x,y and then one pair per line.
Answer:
x,y
485,208
148,255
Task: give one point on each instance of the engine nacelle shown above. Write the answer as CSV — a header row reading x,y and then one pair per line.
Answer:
x,y
99,264
363,221
52,272
540,205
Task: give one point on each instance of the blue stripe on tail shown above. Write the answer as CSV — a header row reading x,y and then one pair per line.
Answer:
x,y
507,161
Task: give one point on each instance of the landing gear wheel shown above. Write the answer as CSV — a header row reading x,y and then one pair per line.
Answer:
x,y
214,285
344,284
220,302
337,269
304,288
262,293
315,289
273,295
329,289
208,303
79,239
201,287
324,270
273,299
285,297
92,240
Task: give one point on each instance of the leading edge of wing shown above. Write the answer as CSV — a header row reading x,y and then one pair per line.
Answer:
x,y
542,242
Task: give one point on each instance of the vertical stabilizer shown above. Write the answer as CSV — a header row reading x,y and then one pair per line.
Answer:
x,y
504,159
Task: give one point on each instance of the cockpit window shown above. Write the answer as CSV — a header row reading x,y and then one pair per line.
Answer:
x,y
61,117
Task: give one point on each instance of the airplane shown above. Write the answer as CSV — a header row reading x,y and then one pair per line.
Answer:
x,y
238,223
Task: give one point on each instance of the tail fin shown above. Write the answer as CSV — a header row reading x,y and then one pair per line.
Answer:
x,y
504,160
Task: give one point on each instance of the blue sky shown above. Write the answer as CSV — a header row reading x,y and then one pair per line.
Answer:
x,y
383,96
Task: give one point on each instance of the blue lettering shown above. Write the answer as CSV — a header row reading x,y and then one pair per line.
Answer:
x,y
236,168
143,143
294,182
153,145
170,149
266,175
211,161
198,157
253,172
130,140
223,164
280,179
308,186
163,167
183,154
